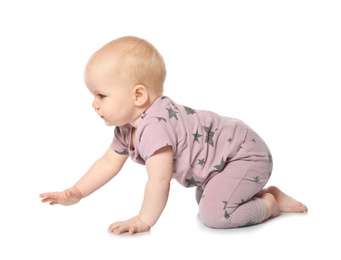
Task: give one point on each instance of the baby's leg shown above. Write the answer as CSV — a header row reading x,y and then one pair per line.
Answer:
x,y
228,199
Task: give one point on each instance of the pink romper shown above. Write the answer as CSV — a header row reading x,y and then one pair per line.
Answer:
x,y
222,157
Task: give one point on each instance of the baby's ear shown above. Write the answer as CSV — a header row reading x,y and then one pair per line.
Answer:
x,y
140,95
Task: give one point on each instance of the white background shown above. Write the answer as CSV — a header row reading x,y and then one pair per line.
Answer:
x,y
274,64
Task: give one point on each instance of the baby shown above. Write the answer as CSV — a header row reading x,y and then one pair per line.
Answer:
x,y
227,161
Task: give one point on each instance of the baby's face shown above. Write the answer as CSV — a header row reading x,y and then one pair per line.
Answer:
x,y
113,101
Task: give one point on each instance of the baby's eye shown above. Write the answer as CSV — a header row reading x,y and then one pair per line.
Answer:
x,y
101,96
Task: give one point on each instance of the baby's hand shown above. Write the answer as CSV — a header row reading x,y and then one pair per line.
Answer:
x,y
68,197
133,225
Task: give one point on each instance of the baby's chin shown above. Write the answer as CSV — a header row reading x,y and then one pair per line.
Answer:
x,y
108,123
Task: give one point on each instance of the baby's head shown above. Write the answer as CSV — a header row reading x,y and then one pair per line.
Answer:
x,y
131,61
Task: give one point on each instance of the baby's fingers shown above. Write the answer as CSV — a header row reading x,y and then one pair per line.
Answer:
x,y
132,230
121,227
47,197
114,226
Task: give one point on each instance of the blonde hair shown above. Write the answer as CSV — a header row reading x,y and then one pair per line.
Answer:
x,y
135,61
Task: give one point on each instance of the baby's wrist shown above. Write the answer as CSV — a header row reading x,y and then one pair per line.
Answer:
x,y
144,222
79,191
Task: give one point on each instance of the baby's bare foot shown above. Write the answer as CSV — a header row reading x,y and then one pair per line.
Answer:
x,y
285,202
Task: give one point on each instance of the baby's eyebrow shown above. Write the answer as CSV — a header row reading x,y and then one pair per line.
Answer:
x,y
96,91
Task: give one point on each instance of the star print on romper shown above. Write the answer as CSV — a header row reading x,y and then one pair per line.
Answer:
x,y
196,137
118,130
124,152
256,179
192,182
226,214
161,119
137,158
270,157
172,113
220,166
189,111
201,161
209,135
250,223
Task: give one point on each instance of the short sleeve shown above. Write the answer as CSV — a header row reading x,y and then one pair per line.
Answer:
x,y
156,134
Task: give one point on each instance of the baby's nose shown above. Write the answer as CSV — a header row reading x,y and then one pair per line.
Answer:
x,y
95,105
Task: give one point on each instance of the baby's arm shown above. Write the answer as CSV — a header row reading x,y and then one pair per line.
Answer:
x,y
160,170
102,171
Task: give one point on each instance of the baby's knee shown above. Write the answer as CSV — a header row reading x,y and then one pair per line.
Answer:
x,y
222,216
216,217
